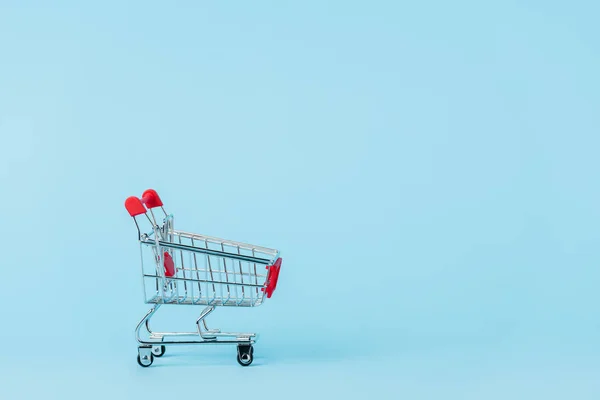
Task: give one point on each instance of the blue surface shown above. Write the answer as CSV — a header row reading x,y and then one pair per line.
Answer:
x,y
429,172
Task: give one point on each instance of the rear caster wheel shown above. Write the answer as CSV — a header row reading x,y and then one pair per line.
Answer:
x,y
245,355
145,360
158,351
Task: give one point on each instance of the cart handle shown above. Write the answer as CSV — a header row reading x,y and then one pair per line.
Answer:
x,y
151,199
134,206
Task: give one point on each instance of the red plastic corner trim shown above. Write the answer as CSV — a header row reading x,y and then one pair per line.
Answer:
x,y
134,206
272,278
151,199
169,265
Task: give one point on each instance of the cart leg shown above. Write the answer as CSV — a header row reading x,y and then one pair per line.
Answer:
x,y
144,321
157,350
206,335
147,353
210,330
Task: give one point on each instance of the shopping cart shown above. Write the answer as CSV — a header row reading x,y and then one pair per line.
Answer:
x,y
186,268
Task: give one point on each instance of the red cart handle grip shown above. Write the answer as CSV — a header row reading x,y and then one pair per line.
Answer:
x,y
151,199
134,206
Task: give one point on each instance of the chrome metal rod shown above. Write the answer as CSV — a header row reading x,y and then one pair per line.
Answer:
x,y
209,337
237,340
204,280
226,242
250,274
217,253
203,315
143,321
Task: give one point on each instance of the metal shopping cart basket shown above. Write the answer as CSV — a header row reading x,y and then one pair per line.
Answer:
x,y
186,268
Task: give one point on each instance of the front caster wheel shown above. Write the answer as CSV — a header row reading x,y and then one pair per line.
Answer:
x,y
245,355
145,360
158,351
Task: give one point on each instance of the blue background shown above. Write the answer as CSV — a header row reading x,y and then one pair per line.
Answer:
x,y
428,170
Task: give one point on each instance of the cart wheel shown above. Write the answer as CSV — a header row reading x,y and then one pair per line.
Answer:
x,y
145,361
245,355
158,351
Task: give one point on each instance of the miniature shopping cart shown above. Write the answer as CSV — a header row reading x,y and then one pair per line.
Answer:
x,y
185,268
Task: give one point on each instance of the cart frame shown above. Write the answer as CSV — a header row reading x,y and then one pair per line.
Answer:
x,y
168,274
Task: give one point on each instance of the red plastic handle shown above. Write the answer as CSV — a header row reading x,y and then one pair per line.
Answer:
x,y
272,277
134,206
151,199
